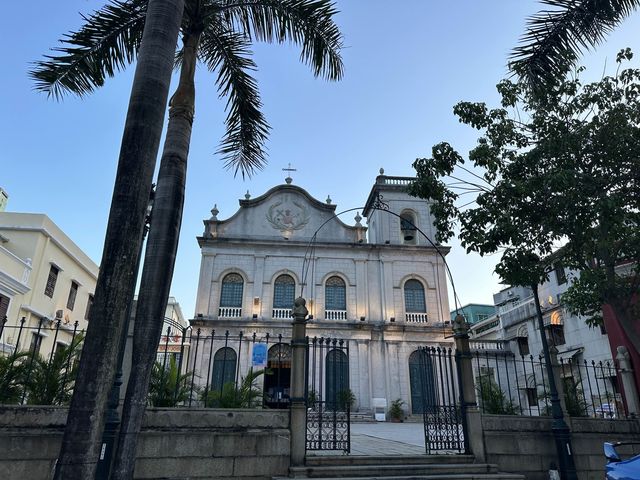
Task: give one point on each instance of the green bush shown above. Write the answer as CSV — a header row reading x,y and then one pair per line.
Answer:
x,y
493,399
168,387
247,395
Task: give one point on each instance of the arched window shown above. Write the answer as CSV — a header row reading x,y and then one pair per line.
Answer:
x,y
231,293
224,368
414,297
337,380
335,294
408,227
284,292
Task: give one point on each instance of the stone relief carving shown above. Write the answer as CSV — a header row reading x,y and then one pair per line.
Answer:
x,y
285,218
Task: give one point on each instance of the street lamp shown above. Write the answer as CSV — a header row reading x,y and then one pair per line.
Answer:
x,y
559,428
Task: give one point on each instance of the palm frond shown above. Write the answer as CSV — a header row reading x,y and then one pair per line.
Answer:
x,y
556,36
227,52
106,43
308,23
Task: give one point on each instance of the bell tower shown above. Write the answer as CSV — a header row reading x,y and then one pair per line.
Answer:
x,y
409,213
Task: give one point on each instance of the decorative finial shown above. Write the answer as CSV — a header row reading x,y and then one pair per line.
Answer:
x,y
328,200
214,212
289,170
357,218
381,171
247,195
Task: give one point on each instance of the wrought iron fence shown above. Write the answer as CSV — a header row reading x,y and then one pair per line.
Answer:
x,y
511,384
38,364
443,416
329,397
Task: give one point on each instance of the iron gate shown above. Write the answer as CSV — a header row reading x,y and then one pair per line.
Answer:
x,y
328,395
443,415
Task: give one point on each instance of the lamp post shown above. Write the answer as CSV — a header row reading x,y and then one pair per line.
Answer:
x,y
112,415
559,428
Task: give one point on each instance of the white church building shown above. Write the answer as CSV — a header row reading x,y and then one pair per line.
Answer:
x,y
379,288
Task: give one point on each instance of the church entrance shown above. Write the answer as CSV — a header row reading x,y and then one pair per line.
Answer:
x,y
421,381
277,378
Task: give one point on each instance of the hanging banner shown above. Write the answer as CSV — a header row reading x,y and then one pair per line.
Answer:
x,y
259,355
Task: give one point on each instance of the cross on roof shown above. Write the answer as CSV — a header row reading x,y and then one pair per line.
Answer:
x,y
289,170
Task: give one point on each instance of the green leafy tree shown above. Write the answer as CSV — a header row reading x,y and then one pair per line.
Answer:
x,y
51,380
556,169
218,34
78,66
246,395
557,36
168,387
13,373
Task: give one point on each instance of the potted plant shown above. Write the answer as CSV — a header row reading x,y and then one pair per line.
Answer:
x,y
396,413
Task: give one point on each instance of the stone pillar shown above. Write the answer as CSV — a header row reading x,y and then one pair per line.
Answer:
x,y
558,376
628,382
474,435
298,422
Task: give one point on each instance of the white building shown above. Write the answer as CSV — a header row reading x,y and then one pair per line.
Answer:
x,y
381,289
513,333
45,279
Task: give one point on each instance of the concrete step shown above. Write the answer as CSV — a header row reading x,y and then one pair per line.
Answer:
x,y
386,471
437,476
387,460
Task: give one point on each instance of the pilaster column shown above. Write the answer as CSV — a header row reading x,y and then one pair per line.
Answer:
x,y
471,416
628,382
298,419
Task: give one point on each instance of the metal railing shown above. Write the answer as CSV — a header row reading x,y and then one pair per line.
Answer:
x,y
32,374
511,384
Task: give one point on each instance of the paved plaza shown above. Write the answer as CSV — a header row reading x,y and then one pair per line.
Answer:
x,y
384,438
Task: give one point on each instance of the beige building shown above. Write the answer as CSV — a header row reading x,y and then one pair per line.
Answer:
x,y
45,279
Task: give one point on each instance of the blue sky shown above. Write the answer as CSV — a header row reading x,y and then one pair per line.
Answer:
x,y
407,62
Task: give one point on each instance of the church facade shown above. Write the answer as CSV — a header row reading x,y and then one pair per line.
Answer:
x,y
380,289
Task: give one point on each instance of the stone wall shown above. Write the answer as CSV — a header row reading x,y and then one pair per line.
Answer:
x,y
525,445
175,443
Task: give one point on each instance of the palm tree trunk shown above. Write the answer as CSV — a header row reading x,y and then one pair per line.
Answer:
x,y
159,259
116,281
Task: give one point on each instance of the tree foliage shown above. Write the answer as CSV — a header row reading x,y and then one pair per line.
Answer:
x,y
559,169
557,35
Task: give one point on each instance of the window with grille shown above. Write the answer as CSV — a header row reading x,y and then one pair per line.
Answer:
x,y
73,292
284,292
231,293
556,335
561,276
335,294
414,297
532,397
51,281
36,342
4,306
523,345
87,312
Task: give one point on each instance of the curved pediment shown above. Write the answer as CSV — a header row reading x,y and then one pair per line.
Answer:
x,y
285,212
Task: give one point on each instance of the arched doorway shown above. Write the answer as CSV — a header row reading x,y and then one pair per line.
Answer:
x,y
277,379
422,382
338,395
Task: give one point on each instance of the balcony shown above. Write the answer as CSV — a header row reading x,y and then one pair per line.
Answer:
x,y
335,314
281,313
230,312
416,317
